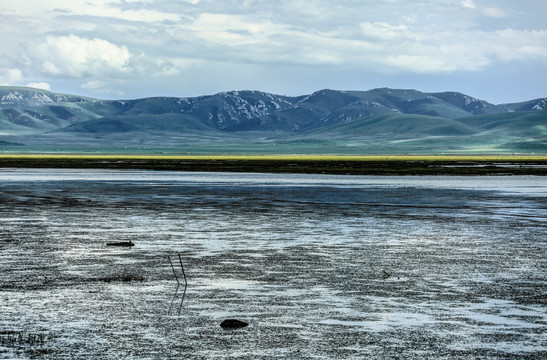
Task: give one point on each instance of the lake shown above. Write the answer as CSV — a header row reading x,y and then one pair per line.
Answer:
x,y
319,266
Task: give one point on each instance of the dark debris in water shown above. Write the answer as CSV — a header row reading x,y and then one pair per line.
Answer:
x,y
233,324
123,277
22,337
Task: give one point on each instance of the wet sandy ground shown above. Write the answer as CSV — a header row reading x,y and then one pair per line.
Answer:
x,y
320,267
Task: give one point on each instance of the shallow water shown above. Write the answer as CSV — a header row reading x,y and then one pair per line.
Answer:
x,y
319,266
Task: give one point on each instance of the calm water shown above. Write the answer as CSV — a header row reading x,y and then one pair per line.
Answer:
x,y
319,266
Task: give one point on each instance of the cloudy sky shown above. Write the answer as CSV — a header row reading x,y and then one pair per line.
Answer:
x,y
492,49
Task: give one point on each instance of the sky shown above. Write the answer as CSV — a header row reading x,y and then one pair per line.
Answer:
x,y
495,50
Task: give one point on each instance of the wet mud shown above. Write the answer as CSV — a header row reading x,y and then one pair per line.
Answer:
x,y
319,267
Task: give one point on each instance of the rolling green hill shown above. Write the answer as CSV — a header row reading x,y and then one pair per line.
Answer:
x,y
395,126
492,133
374,121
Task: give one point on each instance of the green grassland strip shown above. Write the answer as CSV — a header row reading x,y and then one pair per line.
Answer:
x,y
479,158
318,164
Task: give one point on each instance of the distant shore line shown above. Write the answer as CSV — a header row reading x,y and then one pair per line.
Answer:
x,y
310,164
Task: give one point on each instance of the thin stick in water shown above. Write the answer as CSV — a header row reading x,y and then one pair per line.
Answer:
x,y
183,273
172,267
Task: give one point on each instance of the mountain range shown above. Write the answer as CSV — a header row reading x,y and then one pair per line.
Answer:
x,y
328,121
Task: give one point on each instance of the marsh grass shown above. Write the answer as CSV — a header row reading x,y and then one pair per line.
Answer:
x,y
125,276
24,338
310,164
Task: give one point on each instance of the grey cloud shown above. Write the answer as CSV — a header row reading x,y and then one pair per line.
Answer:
x,y
317,42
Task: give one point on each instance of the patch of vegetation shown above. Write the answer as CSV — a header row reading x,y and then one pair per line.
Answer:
x,y
312,164
125,276
24,338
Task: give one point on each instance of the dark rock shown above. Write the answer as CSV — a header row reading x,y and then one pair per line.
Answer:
x,y
233,324
121,243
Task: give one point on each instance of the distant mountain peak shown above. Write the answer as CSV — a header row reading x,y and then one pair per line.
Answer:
x,y
531,105
403,120
541,104
38,110
25,96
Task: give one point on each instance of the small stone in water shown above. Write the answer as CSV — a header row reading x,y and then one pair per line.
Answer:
x,y
233,324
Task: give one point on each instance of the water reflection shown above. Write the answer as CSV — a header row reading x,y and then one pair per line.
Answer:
x,y
178,284
299,257
175,295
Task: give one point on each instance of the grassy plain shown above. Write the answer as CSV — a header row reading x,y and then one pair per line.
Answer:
x,y
321,164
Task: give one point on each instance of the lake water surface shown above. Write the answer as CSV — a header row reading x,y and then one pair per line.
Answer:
x,y
319,266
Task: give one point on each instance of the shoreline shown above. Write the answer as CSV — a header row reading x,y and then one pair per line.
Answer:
x,y
298,164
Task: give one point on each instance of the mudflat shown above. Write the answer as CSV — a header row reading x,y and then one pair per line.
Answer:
x,y
319,266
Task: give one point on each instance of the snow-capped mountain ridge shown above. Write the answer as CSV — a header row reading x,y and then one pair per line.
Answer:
x,y
39,110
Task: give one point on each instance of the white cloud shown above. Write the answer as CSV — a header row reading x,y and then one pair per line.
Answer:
x,y
72,56
494,12
330,36
468,4
239,38
100,8
514,45
140,15
94,85
422,50
39,85
104,87
384,30
103,45
10,77
489,11
418,63
219,28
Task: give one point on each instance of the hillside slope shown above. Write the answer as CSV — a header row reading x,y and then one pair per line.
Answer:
x,y
366,119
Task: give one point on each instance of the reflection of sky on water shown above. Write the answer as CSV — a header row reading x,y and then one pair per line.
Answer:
x,y
301,257
531,185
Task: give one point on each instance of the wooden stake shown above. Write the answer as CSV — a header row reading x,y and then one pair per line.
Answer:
x,y
172,267
183,273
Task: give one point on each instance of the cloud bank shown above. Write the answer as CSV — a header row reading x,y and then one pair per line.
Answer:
x,y
200,46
